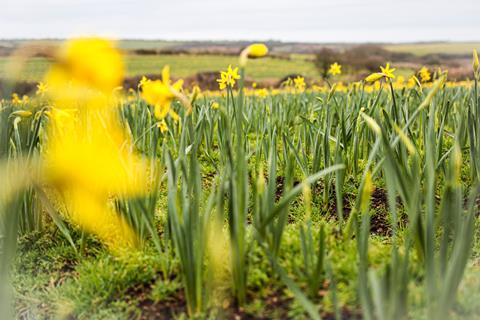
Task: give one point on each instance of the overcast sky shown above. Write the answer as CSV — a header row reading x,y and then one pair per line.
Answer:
x,y
288,20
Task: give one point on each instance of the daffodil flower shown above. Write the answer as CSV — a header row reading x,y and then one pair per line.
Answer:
x,y
41,89
160,94
335,69
386,72
86,72
256,50
299,83
425,75
228,78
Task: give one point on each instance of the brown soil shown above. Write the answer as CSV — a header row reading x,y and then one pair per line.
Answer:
x,y
380,223
166,309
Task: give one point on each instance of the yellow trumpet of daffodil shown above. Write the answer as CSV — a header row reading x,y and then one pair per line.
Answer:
x,y
374,77
21,113
256,50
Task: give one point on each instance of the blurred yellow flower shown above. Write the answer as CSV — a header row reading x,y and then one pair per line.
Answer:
x,y
425,75
88,154
256,50
41,89
160,94
86,72
412,82
163,126
299,83
88,159
335,69
16,99
143,81
93,62
21,113
228,78
374,77
400,80
262,93
215,105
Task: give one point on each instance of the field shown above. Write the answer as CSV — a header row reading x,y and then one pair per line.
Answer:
x,y
294,59
460,48
331,201
184,66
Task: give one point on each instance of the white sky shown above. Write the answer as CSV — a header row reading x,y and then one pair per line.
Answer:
x,y
288,20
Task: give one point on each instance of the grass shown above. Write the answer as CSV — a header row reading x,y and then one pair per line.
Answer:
x,y
420,49
52,281
99,285
359,201
186,65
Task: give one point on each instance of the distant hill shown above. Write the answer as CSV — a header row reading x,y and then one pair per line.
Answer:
x,y
278,47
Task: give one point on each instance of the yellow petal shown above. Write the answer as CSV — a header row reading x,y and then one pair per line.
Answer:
x,y
374,77
257,50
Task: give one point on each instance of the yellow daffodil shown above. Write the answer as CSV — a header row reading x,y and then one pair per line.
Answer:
x,y
425,75
162,125
143,81
21,113
387,71
87,162
400,80
91,61
160,94
335,69
256,50
88,158
41,89
16,99
374,77
228,78
262,93
299,83
86,72
215,105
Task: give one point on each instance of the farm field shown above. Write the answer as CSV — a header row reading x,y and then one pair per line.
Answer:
x,y
325,201
184,66
460,48
187,65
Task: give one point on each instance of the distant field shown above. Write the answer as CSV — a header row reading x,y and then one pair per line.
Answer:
x,y
187,65
428,48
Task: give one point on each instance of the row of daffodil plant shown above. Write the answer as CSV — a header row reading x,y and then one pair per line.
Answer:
x,y
207,178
